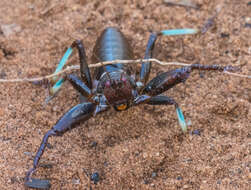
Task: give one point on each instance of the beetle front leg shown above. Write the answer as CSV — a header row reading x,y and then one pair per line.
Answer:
x,y
80,112
169,79
77,84
84,68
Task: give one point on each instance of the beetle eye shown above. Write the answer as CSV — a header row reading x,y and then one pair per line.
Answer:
x,y
123,79
107,84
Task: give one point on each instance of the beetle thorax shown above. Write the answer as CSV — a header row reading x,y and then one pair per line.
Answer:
x,y
117,88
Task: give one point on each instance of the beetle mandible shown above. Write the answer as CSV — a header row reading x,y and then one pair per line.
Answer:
x,y
113,86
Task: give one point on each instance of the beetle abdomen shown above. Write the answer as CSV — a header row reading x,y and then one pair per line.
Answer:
x,y
111,45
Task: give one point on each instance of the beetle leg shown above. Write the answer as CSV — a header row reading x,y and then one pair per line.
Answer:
x,y
166,80
57,83
164,100
62,62
78,85
169,79
80,112
84,69
146,67
175,32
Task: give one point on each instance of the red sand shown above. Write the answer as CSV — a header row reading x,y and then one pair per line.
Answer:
x,y
143,147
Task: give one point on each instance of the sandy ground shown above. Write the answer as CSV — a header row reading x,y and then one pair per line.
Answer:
x,y
143,147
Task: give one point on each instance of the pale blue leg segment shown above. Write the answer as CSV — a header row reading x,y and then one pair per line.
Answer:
x,y
181,119
55,89
59,82
57,86
176,32
60,66
63,62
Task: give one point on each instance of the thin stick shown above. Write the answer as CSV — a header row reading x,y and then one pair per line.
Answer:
x,y
76,67
237,75
184,3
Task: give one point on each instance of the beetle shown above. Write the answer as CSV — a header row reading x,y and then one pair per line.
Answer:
x,y
114,86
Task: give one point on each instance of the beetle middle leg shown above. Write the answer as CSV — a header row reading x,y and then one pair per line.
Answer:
x,y
144,75
84,69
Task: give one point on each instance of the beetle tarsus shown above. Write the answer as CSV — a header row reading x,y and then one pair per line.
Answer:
x,y
38,183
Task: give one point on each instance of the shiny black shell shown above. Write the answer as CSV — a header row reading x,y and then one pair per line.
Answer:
x,y
111,45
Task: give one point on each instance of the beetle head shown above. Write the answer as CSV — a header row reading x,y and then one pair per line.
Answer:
x,y
118,90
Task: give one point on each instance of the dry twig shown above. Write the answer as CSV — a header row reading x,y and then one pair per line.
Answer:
x,y
184,3
76,67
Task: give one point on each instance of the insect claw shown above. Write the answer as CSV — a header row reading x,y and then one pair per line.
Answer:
x,y
36,183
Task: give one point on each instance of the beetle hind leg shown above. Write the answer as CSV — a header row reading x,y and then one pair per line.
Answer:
x,y
146,67
80,112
